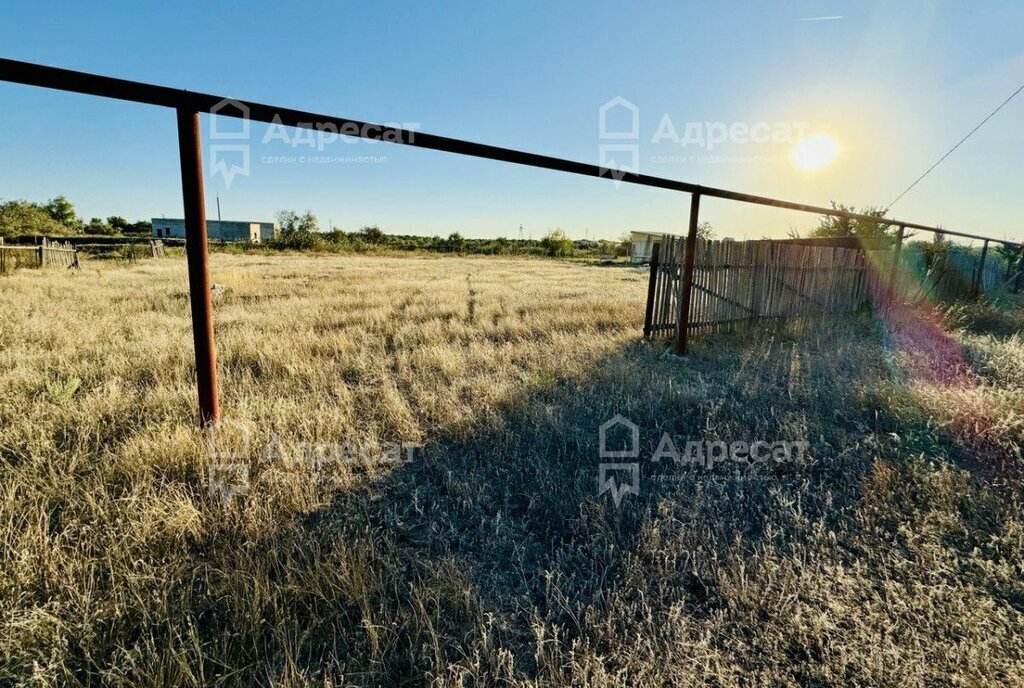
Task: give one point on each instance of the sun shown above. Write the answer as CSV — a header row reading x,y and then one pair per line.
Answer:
x,y
814,152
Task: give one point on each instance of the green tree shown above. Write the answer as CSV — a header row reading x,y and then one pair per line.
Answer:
x,y
372,235
140,228
118,224
23,217
1011,254
292,222
455,243
831,226
556,244
97,226
63,212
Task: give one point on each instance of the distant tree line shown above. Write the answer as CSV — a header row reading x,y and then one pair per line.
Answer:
x,y
300,231
58,217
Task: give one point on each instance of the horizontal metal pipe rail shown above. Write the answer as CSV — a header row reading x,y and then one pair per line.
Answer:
x,y
187,105
138,92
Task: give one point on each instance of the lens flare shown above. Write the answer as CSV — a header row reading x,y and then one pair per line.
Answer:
x,y
814,152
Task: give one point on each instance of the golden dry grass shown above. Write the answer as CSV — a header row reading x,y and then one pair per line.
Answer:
x,y
889,558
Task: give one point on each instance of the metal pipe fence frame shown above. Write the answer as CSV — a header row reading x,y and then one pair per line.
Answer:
x,y
189,104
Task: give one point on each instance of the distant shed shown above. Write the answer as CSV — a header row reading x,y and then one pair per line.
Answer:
x,y
642,244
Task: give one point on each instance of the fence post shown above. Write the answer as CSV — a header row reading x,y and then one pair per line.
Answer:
x,y
39,251
189,146
652,283
979,271
686,281
897,250
1020,270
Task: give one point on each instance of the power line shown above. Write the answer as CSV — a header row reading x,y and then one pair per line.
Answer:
x,y
950,151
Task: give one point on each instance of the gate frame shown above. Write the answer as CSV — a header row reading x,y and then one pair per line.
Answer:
x,y
188,105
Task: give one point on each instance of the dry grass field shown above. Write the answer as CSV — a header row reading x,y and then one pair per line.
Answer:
x,y
891,556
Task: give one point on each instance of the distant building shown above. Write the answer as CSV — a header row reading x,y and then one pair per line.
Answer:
x,y
223,230
642,244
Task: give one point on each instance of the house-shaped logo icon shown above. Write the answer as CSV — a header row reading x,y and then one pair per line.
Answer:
x,y
631,111
229,109
621,424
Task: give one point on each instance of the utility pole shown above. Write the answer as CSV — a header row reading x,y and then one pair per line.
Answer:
x,y
218,207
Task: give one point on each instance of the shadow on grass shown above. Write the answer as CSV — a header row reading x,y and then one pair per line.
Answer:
x,y
493,553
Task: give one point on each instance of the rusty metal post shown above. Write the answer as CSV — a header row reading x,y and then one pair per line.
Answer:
x,y
652,283
198,265
896,251
686,286
976,287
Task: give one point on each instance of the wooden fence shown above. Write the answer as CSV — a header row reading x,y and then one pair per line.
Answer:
x,y
128,250
953,273
46,254
736,282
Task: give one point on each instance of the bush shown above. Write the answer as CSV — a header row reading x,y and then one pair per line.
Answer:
x,y
298,241
23,217
556,244
372,235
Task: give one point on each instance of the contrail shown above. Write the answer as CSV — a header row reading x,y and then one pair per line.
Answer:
x,y
831,18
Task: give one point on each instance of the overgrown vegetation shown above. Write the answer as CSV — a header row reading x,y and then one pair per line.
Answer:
x,y
57,217
831,226
300,232
893,556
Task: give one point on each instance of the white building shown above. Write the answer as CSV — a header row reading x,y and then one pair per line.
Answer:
x,y
642,244
226,230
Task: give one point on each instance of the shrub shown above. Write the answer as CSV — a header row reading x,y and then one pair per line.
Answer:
x,y
298,241
556,244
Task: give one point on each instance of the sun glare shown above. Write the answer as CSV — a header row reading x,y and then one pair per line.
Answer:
x,y
814,152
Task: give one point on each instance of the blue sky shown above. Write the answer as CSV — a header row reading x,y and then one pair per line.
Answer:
x,y
895,84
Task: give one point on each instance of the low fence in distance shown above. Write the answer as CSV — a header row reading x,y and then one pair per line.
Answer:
x,y
78,240
129,251
46,254
744,281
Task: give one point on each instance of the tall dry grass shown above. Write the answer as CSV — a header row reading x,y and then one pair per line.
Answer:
x,y
889,557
